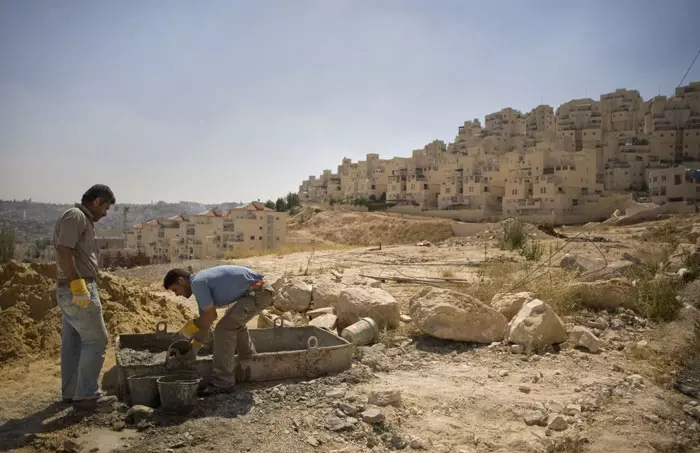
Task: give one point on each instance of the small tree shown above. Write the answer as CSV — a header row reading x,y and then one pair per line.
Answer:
x,y
281,205
7,244
270,204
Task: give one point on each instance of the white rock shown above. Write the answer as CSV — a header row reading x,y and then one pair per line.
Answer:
x,y
509,304
139,413
535,418
581,336
536,325
373,416
449,315
417,444
606,294
554,406
517,349
385,397
405,318
557,423
327,322
326,293
293,296
359,302
635,379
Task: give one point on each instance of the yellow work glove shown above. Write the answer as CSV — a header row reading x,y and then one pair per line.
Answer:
x,y
189,329
81,295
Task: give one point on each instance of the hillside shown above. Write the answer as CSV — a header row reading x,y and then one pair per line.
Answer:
x,y
366,228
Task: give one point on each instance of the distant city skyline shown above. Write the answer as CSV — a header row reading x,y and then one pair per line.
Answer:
x,y
241,101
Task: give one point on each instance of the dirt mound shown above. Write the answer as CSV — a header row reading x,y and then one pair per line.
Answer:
x,y
30,320
367,228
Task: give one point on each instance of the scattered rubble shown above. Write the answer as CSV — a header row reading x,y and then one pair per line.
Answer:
x,y
385,397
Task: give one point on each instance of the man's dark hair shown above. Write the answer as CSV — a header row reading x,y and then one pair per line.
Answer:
x,y
172,276
100,191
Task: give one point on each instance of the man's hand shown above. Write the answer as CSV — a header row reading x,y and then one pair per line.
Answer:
x,y
81,295
189,329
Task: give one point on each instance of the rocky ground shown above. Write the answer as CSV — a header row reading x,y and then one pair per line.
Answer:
x,y
587,370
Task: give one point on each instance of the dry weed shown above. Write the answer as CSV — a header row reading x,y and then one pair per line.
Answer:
x,y
287,249
447,273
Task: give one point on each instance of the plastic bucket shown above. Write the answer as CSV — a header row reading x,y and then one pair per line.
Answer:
x,y
362,332
178,393
144,390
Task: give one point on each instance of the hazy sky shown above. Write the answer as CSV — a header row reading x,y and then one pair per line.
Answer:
x,y
225,100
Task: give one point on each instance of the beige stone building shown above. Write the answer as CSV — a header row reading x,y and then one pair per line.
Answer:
x,y
545,163
211,234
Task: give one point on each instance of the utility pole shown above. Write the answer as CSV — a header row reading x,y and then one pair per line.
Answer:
x,y
125,210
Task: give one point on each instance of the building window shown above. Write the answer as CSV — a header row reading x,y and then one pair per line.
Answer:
x,y
260,227
447,190
677,180
260,238
663,178
252,238
425,187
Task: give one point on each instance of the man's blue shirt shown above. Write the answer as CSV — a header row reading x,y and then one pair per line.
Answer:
x,y
221,285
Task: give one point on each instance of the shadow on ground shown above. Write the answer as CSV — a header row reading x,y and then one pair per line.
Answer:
x,y
16,433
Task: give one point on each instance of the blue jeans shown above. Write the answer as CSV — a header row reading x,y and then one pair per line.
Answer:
x,y
83,344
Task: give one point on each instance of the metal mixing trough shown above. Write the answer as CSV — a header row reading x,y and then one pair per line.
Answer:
x,y
281,353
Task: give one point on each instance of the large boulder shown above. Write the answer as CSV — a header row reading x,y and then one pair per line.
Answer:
x,y
450,315
509,304
293,296
362,301
535,326
326,293
605,294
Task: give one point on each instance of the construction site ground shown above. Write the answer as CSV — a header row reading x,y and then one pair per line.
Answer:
x,y
455,397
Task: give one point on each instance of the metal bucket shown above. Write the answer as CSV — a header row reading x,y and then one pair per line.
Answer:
x,y
362,332
178,393
144,390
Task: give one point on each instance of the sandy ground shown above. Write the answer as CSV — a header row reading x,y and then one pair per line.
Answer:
x,y
455,397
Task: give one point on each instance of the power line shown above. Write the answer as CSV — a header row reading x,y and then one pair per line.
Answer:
x,y
689,68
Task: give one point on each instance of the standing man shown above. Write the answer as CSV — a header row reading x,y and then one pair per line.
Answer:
x,y
83,333
246,294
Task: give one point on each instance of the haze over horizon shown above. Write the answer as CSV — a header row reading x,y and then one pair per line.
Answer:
x,y
235,101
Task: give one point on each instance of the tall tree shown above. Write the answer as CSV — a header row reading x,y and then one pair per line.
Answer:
x,y
292,200
270,204
281,205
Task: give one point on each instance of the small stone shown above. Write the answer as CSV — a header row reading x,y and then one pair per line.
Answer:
x,y
405,318
398,442
617,368
335,393
373,416
524,389
503,373
118,426
517,349
71,446
652,417
137,414
533,418
555,406
584,338
635,379
385,397
348,409
557,372
557,423
313,441
693,411
417,444
693,403
312,314
572,410
393,352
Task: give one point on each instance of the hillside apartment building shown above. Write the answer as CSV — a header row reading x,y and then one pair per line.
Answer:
x,y
567,163
211,234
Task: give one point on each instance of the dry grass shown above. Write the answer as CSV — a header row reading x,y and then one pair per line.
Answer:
x,y
447,273
552,285
287,249
361,228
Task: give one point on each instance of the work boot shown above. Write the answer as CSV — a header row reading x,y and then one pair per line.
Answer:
x,y
99,404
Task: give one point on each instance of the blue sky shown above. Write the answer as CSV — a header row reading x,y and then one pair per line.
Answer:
x,y
225,100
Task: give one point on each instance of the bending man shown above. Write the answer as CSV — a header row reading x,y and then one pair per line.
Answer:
x,y
244,292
